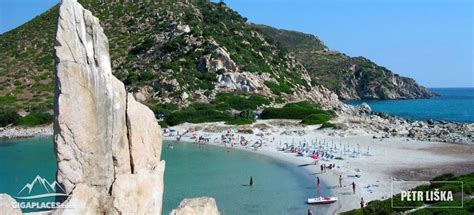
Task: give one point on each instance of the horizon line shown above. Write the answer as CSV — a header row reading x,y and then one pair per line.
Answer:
x,y
450,87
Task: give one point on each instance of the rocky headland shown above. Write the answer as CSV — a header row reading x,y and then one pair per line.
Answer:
x,y
381,125
349,77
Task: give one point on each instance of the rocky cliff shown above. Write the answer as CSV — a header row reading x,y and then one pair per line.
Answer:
x,y
108,146
348,77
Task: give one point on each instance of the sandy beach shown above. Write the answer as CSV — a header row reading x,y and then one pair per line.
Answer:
x,y
372,164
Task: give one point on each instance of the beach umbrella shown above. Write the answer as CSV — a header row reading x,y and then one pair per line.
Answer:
x,y
314,156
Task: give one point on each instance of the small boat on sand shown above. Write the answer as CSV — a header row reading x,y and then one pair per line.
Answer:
x,y
322,200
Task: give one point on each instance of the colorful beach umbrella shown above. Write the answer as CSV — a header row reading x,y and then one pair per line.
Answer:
x,y
314,156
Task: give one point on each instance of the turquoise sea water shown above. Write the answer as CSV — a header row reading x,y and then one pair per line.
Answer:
x,y
191,171
22,160
453,104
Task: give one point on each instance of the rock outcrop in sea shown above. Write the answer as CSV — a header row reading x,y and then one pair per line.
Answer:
x,y
382,125
6,205
196,206
108,146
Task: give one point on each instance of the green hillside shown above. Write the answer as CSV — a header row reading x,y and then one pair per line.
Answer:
x,y
152,46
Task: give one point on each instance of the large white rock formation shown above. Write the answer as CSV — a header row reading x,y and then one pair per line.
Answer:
x,y
108,145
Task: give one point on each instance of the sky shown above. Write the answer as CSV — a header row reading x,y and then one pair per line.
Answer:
x,y
428,40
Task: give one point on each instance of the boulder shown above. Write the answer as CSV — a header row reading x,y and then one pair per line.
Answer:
x,y
218,60
184,28
197,206
144,93
6,205
84,199
244,82
364,108
184,96
140,96
139,193
430,122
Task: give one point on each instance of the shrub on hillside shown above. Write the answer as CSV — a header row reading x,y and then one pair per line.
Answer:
x,y
5,100
240,121
199,115
279,88
225,101
35,118
163,124
279,100
8,117
247,114
327,125
164,108
298,110
316,119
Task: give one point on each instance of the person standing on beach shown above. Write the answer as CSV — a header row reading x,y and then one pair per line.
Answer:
x,y
322,168
354,187
318,182
340,181
251,181
362,203
310,212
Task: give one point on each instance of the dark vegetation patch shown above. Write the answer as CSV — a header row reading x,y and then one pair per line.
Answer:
x,y
216,111
35,118
11,117
306,111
